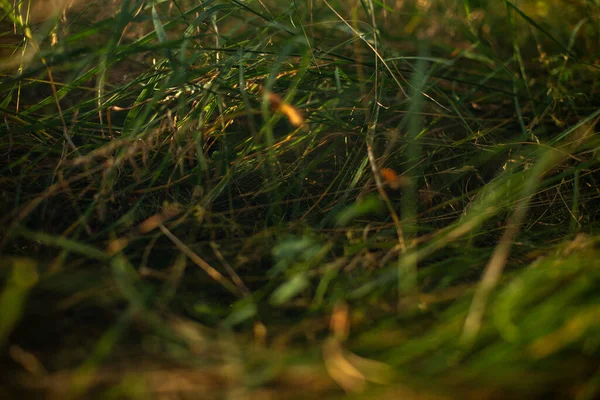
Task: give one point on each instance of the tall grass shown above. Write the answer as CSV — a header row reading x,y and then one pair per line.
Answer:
x,y
299,199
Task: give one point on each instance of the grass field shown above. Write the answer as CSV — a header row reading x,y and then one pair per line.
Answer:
x,y
388,199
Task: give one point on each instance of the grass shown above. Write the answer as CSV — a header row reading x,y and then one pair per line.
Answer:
x,y
300,199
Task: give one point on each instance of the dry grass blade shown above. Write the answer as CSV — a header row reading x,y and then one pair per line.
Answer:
x,y
196,259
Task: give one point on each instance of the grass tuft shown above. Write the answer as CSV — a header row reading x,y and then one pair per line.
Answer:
x,y
299,199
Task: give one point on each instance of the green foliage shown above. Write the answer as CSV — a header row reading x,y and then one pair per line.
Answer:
x,y
362,207
22,279
296,199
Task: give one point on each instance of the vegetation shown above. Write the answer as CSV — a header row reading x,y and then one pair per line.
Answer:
x,y
240,199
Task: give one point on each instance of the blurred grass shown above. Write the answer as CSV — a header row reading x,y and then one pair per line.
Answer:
x,y
291,200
